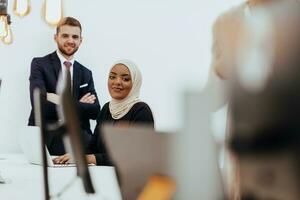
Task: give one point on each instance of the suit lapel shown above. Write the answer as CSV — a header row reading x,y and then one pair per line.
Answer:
x,y
76,79
56,64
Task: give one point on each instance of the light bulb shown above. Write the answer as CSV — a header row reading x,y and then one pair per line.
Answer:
x,y
21,7
9,37
53,11
3,26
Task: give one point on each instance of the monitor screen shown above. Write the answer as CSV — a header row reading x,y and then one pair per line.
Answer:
x,y
39,121
74,132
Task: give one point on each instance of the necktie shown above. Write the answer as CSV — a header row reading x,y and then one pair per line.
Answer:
x,y
68,64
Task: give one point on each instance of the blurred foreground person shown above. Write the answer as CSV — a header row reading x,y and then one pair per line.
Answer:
x,y
265,104
232,47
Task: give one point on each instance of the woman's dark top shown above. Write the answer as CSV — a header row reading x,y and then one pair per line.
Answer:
x,y
140,113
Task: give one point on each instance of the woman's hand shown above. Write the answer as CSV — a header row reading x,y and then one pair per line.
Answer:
x,y
66,159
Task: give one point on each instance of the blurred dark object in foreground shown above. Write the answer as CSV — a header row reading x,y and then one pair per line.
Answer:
x,y
265,134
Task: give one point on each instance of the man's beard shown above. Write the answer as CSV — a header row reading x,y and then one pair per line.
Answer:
x,y
61,49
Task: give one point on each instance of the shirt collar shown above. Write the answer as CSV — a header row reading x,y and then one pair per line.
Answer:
x,y
63,59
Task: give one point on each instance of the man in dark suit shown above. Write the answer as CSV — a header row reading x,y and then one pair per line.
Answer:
x,y
44,75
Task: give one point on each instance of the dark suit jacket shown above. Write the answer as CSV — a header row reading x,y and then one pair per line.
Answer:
x,y
44,75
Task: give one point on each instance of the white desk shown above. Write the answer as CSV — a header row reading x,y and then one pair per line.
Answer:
x,y
25,181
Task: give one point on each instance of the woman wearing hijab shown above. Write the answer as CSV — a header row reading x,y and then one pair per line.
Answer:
x,y
125,108
124,84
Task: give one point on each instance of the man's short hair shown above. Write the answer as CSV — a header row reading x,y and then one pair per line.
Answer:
x,y
68,21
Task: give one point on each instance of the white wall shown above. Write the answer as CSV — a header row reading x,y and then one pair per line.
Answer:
x,y
169,40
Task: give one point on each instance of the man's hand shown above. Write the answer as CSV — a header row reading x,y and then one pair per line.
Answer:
x,y
88,98
54,98
64,159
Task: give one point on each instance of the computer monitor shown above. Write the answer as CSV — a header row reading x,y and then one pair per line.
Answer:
x,y
39,121
74,132
139,153
71,121
195,152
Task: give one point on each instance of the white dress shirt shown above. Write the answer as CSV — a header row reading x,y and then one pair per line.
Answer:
x,y
63,70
